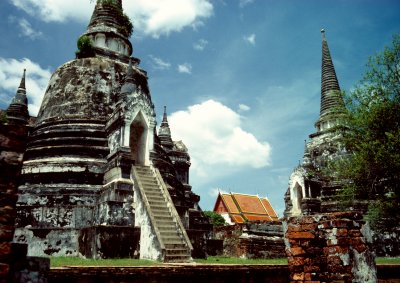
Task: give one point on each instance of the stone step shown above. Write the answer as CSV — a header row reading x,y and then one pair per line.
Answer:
x,y
177,251
176,258
152,191
176,248
166,224
149,185
168,234
173,246
166,228
157,204
148,180
155,197
175,241
159,214
164,219
144,172
160,210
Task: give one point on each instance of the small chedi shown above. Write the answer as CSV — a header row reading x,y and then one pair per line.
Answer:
x,y
96,179
324,244
312,187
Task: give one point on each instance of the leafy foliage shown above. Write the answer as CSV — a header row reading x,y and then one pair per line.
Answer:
x,y
373,137
85,47
3,117
215,218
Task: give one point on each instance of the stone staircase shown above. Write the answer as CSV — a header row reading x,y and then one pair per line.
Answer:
x,y
169,229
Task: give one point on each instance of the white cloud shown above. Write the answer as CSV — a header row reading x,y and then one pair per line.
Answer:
x,y
250,39
185,68
217,144
244,107
37,79
158,17
56,11
155,17
214,192
28,31
159,64
243,3
200,44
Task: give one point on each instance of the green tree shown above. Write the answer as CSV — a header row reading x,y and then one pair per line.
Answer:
x,y
215,218
3,117
85,47
373,138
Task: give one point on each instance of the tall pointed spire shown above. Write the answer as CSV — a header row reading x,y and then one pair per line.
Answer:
x,y
330,90
17,112
331,99
164,133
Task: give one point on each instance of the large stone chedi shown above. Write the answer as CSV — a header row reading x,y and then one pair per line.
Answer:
x,y
310,188
96,178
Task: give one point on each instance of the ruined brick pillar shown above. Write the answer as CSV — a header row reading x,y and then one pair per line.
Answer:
x,y
331,247
12,146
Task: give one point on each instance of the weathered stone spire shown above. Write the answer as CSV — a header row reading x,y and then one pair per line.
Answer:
x,y
17,112
331,99
104,15
329,82
164,133
107,28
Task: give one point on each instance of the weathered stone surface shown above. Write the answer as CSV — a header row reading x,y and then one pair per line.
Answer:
x,y
326,251
96,121
32,270
100,242
255,240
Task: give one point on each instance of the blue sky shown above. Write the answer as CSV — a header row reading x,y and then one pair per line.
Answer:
x,y
240,78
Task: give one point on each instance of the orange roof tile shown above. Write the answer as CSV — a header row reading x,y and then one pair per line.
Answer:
x,y
253,217
249,204
243,207
237,218
230,204
268,207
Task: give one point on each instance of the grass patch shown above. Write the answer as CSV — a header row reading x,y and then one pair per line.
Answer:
x,y
76,261
235,260
388,260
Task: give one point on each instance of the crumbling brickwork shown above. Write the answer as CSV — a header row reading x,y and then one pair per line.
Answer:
x,y
329,248
263,239
12,146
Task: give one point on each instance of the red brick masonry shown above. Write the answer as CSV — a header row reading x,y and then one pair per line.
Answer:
x,y
329,248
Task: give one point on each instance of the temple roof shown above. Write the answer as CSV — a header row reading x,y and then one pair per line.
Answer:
x,y
331,98
242,207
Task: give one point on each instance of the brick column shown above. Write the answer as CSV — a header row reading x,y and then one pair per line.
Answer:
x,y
329,248
12,146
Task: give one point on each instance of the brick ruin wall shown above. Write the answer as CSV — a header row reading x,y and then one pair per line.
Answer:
x,y
14,265
12,146
332,247
252,240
